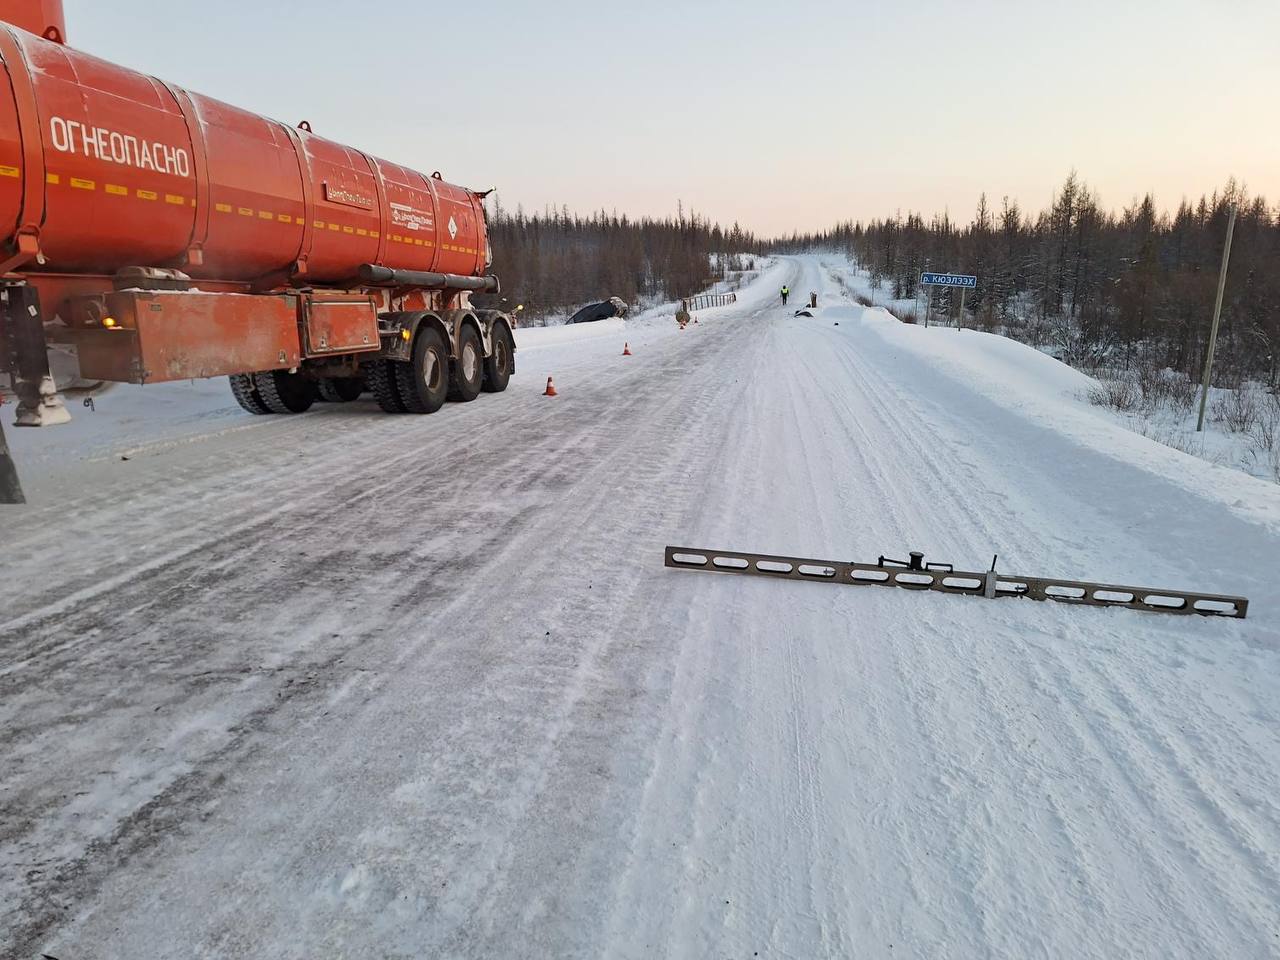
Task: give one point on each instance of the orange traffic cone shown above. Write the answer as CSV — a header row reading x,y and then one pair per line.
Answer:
x,y
551,389
626,349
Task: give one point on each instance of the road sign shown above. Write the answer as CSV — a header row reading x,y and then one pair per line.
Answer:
x,y
962,280
948,280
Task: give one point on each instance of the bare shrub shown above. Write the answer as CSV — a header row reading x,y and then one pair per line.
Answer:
x,y
1034,330
1115,393
906,314
1152,386
1182,389
863,300
1164,388
1085,348
1180,439
1151,380
1237,409
1266,429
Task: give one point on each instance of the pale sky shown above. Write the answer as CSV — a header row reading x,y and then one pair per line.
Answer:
x,y
782,115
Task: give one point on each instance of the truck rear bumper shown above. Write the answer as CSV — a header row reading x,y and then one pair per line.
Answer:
x,y
144,336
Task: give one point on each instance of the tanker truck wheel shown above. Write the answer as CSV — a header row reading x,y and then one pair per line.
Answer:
x,y
380,375
284,392
340,389
468,369
424,380
497,368
246,393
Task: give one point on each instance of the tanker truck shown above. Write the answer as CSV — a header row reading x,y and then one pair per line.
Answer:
x,y
154,234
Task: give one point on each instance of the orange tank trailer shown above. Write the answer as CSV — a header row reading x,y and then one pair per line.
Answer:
x,y
42,17
163,235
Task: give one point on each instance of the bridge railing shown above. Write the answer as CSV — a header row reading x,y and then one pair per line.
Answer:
x,y
704,301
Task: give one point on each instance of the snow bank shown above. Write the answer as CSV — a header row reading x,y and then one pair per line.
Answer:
x,y
1010,368
534,338
1021,378
762,290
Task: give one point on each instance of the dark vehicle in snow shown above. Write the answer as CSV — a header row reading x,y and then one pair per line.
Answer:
x,y
613,307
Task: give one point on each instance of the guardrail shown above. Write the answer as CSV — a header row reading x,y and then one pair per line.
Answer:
x,y
705,300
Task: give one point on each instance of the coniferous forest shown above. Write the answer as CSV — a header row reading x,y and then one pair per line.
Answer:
x,y
1127,289
553,262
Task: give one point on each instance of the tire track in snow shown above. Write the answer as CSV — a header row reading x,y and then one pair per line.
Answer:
x,y
1175,806
951,506
1264,872
850,768
624,412
671,810
811,812
647,473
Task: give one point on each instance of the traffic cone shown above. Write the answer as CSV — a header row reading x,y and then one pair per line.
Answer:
x,y
626,349
551,389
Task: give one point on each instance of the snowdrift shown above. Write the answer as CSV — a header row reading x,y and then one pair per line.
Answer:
x,y
1022,379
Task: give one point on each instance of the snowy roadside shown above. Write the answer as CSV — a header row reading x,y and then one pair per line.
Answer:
x,y
1242,429
760,288
127,420
1038,387
652,307
275,692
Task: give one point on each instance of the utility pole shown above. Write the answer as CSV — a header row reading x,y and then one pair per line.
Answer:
x,y
1217,317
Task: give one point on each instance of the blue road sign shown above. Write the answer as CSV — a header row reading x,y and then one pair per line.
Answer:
x,y
948,280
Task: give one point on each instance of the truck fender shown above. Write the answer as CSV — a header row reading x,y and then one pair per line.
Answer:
x,y
489,319
395,346
455,320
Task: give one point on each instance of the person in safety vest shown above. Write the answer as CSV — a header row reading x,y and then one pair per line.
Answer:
x,y
786,291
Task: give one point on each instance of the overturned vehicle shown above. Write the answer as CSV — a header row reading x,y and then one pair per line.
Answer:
x,y
604,310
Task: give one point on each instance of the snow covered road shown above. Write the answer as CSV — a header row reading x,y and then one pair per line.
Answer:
x,y
356,685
